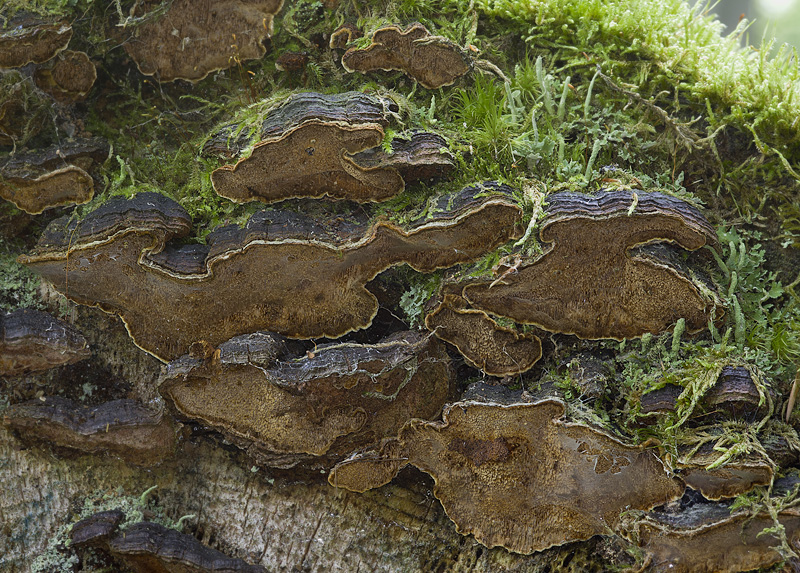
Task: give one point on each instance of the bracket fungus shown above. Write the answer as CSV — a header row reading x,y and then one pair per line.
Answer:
x,y
68,77
52,177
733,478
706,538
123,428
589,283
315,145
282,272
27,41
339,398
196,37
147,547
434,61
518,476
32,340
496,350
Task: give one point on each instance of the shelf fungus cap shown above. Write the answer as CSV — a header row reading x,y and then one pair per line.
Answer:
x,y
32,340
68,77
170,296
152,548
192,39
340,397
595,280
706,538
518,476
27,41
434,61
307,150
52,177
122,428
486,345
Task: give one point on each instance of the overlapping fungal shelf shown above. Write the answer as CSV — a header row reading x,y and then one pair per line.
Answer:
x,y
119,258
269,336
316,145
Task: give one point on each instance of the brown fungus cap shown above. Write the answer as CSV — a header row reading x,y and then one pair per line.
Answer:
x,y
708,539
147,547
121,428
32,340
344,35
333,400
52,177
27,41
68,77
589,283
433,61
307,149
496,350
282,272
517,476
196,37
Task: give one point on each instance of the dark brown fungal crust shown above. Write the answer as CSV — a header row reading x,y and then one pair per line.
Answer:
x,y
496,350
32,340
169,296
53,177
307,149
517,476
329,402
661,400
421,157
589,284
147,547
68,77
121,428
735,394
196,37
433,61
707,539
27,41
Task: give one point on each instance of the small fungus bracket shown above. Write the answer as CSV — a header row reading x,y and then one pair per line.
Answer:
x,y
496,350
590,281
151,547
123,428
32,340
434,61
52,177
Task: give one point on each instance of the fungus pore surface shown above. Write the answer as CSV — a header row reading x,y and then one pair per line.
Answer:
x,y
516,475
